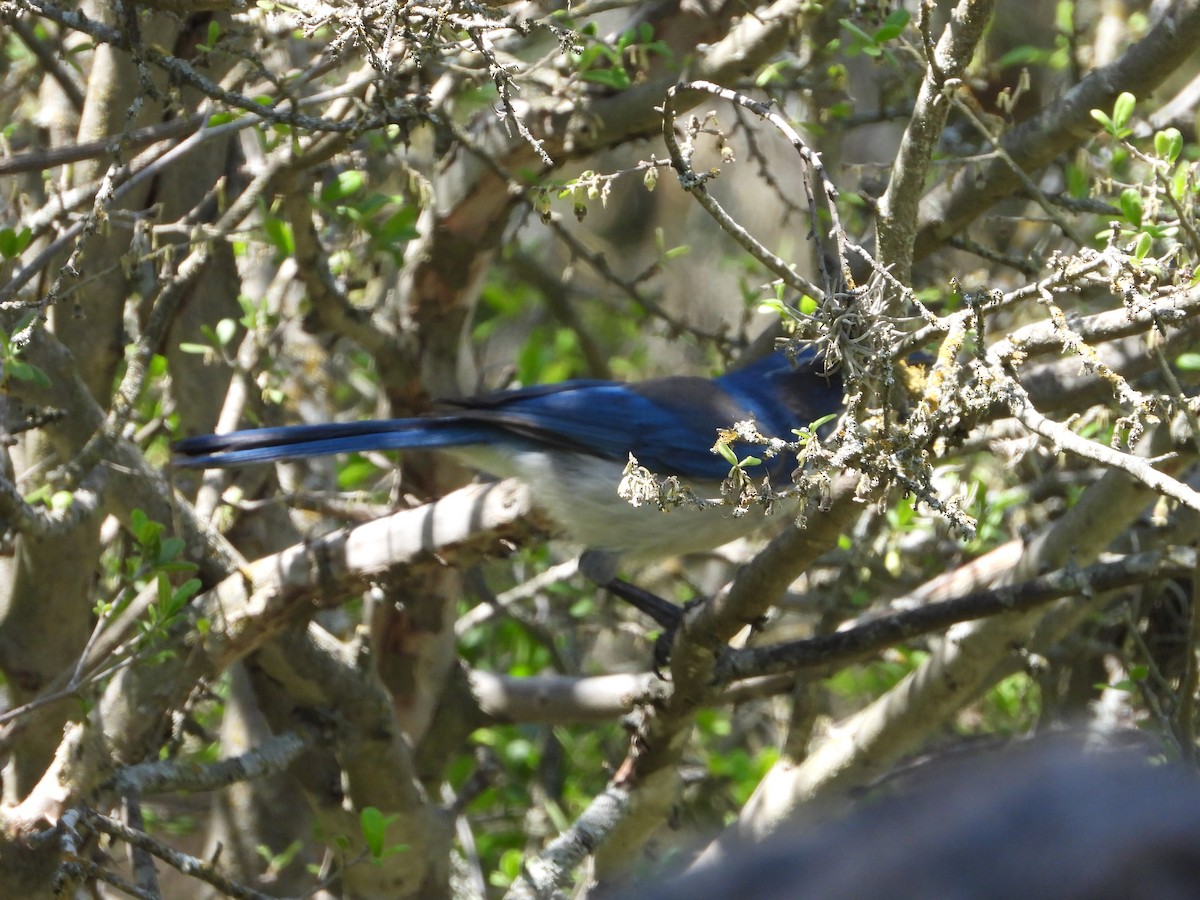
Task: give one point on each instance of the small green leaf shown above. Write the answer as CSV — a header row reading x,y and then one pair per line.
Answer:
x,y
1179,182
772,305
345,184
280,235
13,243
374,828
355,473
170,549
616,78
1142,247
1064,17
38,495
1131,205
145,531
1078,181
1188,362
185,592
23,371
726,452
856,31
225,330
893,26
1102,117
1123,109
1168,143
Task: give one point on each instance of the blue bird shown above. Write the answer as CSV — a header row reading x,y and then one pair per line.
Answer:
x,y
570,442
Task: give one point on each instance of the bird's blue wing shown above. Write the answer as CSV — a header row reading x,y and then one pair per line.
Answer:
x,y
668,423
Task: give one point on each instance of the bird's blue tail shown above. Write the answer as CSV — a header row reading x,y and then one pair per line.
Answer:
x,y
261,445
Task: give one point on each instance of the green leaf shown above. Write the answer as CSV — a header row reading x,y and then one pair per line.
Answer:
x,y
1131,205
1104,120
1023,55
1179,182
1078,181
38,495
280,235
357,472
1142,247
170,549
1168,143
1123,109
23,371
225,330
616,78
343,186
185,592
856,31
726,453
374,828
772,305
893,26
13,243
1064,16
145,531
1188,362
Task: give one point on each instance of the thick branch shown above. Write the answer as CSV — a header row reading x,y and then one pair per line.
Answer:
x,y
897,221
854,644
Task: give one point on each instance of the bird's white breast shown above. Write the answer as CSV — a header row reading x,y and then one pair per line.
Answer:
x,y
579,492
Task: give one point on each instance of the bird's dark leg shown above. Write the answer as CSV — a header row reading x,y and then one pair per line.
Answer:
x,y
601,568
664,612
667,614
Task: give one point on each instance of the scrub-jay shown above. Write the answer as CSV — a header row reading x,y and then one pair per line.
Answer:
x,y
570,442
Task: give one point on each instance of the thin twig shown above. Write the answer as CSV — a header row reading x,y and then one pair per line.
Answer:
x,y
182,862
694,184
